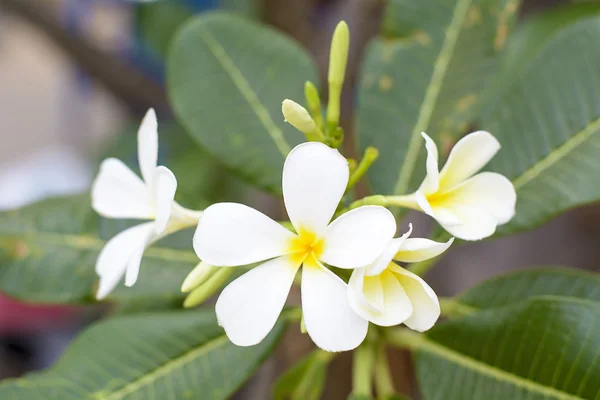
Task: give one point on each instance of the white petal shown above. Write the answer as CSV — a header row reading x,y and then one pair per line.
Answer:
x,y
119,193
231,234
467,157
330,321
386,257
487,190
356,238
249,306
164,187
475,223
148,146
426,308
394,306
315,177
415,250
133,265
444,216
432,179
114,256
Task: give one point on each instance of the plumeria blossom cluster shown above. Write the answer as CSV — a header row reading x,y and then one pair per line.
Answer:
x,y
347,257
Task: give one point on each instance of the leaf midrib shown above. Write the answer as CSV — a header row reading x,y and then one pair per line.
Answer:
x,y
162,370
433,90
491,371
557,154
86,242
238,79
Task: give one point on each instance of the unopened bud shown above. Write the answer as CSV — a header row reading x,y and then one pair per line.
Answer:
x,y
208,288
198,276
299,118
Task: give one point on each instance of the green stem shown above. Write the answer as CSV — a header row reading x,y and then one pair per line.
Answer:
x,y
292,314
452,307
362,369
404,338
383,378
371,154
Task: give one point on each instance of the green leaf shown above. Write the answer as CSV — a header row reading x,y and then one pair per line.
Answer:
x,y
523,284
544,348
305,380
227,78
183,355
548,121
48,253
427,73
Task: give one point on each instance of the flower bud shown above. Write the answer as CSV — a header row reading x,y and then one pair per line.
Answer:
x,y
208,288
198,276
299,118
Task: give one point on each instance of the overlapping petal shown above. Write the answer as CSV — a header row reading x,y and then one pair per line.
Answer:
x,y
432,179
148,146
441,214
425,304
249,306
330,320
115,255
418,249
315,177
231,234
117,192
356,238
467,157
379,299
386,257
165,186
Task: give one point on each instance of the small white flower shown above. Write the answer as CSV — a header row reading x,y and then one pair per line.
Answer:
x,y
387,294
314,181
118,192
468,206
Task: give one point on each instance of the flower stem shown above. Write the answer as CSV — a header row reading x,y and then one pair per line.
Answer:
x,y
404,338
371,154
452,307
362,369
383,378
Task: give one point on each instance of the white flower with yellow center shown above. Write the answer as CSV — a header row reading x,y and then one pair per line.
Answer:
x,y
386,294
117,192
468,206
314,181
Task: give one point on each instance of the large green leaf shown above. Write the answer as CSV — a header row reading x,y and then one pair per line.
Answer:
x,y
48,252
426,73
548,121
541,349
305,380
524,284
183,355
227,78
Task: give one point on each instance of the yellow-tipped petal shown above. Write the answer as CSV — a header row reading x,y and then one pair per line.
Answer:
x,y
200,274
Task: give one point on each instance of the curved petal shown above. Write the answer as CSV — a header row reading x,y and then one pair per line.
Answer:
x,y
432,179
475,223
394,306
356,238
489,191
330,321
135,260
119,193
114,256
467,157
426,308
231,234
442,215
415,250
164,188
386,257
315,177
249,306
148,146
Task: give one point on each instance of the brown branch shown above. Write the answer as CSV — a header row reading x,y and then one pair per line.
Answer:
x,y
127,84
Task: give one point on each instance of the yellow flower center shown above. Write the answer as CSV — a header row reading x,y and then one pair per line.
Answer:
x,y
304,245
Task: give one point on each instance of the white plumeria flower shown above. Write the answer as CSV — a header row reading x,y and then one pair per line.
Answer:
x,y
117,192
314,181
386,294
468,206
